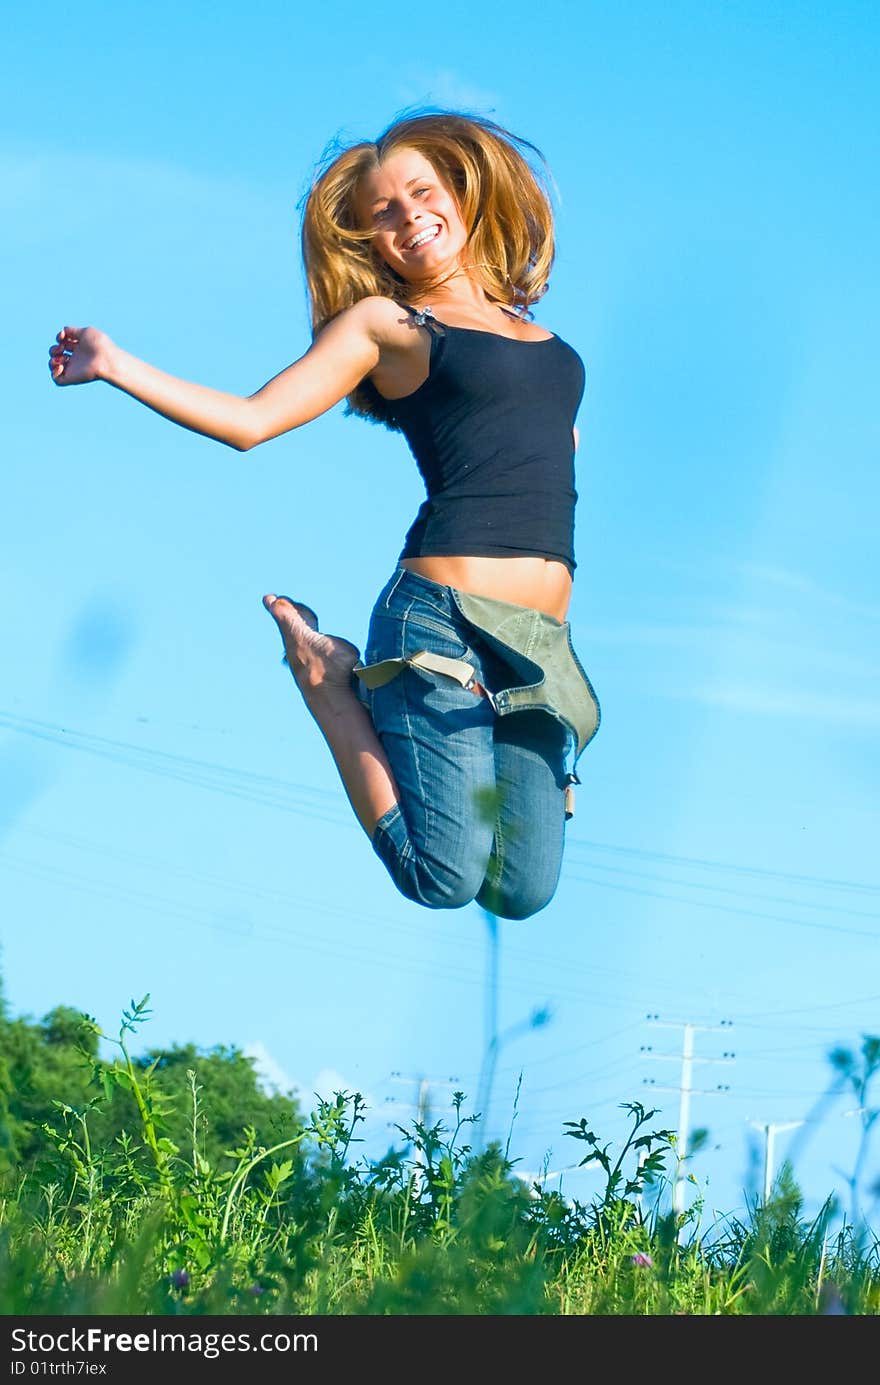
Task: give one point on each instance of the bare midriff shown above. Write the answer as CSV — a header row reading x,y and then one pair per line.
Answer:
x,y
544,584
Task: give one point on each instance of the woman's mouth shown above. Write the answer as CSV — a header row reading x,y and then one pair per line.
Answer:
x,y
422,238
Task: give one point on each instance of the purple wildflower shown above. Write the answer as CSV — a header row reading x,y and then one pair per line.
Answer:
x,y
642,1260
179,1279
256,1290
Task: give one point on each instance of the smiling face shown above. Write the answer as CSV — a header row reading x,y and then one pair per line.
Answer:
x,y
417,227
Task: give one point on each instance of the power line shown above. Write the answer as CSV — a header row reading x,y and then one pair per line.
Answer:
x,y
191,769
614,1066
285,795
566,966
730,909
729,890
288,934
810,1009
567,1052
735,868
165,906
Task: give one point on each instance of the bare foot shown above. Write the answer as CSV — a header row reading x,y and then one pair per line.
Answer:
x,y
319,663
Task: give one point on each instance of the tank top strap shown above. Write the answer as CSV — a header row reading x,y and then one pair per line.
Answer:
x,y
424,317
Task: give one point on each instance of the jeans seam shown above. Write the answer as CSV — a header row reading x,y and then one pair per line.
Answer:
x,y
499,854
395,584
408,723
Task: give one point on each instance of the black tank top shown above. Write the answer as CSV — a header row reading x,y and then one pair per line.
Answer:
x,y
491,433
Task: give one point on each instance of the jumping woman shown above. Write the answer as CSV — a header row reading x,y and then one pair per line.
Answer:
x,y
457,735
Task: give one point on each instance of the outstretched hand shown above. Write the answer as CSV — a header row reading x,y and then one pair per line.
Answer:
x,y
79,355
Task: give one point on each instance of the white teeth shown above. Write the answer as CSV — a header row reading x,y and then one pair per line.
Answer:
x,y
422,238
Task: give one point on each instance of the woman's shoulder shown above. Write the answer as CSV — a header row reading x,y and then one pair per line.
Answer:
x,y
383,320
377,311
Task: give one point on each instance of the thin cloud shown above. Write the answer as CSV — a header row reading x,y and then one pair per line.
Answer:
x,y
775,702
272,1078
769,583
778,577
443,87
654,633
800,583
91,185
328,1082
761,638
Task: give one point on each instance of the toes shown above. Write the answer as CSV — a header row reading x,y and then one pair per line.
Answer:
x,y
307,614
303,611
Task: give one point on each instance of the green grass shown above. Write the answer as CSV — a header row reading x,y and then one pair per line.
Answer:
x,y
147,1226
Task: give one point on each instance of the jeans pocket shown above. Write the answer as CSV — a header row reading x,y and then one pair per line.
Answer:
x,y
422,631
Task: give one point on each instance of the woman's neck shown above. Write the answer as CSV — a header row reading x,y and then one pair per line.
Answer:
x,y
461,287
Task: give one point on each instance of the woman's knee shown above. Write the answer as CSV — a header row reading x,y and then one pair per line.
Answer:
x,y
519,899
438,887
437,882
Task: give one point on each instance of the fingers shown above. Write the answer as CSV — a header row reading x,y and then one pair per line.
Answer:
x,y
58,357
66,341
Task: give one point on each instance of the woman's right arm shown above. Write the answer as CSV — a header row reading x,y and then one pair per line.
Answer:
x,y
343,352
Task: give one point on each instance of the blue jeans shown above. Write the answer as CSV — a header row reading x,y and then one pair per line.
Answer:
x,y
481,811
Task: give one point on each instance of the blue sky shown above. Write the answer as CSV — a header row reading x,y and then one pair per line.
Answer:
x,y
169,820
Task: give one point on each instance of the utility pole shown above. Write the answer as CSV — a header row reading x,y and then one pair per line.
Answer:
x,y
771,1130
422,1105
494,1041
685,1087
490,1041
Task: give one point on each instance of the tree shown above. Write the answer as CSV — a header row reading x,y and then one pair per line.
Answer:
x,y
55,1062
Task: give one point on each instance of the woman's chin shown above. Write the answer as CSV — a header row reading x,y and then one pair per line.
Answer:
x,y
428,268
436,267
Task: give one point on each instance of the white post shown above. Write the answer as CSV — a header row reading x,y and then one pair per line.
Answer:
x,y
684,1115
770,1130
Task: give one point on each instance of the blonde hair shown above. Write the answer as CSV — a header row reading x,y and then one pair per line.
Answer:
x,y
501,185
